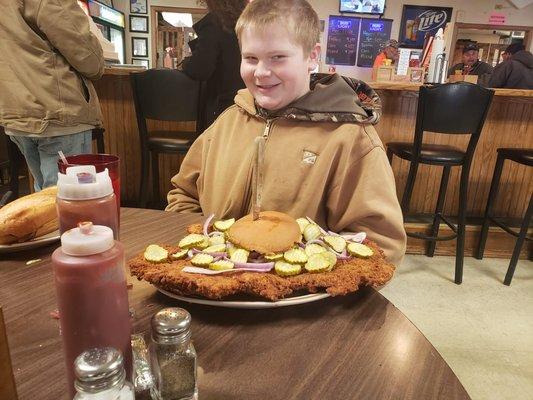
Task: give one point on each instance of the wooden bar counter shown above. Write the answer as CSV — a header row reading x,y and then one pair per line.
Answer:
x,y
122,135
509,123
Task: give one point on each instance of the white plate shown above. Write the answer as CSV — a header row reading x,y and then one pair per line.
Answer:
x,y
30,244
291,301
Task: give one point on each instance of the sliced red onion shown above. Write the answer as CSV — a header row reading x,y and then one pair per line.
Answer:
x,y
354,237
205,271
206,224
331,233
191,253
215,233
316,241
263,267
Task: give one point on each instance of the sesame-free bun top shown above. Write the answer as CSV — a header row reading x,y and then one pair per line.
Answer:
x,y
273,232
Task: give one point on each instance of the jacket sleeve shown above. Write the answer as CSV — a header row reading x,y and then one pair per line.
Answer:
x,y
184,198
67,28
364,199
500,74
202,63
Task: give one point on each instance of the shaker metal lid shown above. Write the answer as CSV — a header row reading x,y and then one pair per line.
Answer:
x,y
98,369
172,321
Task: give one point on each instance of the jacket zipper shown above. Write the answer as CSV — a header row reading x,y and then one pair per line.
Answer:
x,y
247,198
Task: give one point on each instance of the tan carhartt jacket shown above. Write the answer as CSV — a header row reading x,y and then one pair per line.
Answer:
x,y
48,58
337,173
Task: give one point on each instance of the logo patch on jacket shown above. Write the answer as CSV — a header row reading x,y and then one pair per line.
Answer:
x,y
309,157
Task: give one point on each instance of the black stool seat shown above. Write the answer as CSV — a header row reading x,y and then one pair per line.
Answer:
x,y
164,141
524,157
521,156
435,154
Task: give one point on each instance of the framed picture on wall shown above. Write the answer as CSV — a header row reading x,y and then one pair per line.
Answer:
x,y
142,62
138,23
417,21
139,47
139,6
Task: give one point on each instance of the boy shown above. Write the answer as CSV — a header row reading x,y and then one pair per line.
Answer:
x,y
323,159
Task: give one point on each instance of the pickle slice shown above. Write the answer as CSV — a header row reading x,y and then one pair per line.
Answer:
x,y
179,255
239,255
314,248
155,254
311,232
224,225
295,256
302,222
202,260
360,250
331,258
283,268
217,248
221,265
317,263
337,243
191,240
274,257
216,239
204,244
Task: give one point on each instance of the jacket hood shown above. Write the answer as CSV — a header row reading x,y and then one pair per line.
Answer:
x,y
332,98
525,57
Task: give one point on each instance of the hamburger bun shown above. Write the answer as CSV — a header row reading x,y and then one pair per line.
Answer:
x,y
273,232
29,217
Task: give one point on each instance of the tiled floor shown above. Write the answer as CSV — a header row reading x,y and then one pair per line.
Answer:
x,y
482,328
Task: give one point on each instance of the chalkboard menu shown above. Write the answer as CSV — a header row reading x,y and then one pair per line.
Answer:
x,y
343,33
374,34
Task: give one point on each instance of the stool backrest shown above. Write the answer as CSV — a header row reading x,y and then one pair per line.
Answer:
x,y
452,108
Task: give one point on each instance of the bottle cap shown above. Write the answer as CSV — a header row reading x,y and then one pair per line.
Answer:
x,y
98,369
171,325
87,239
83,183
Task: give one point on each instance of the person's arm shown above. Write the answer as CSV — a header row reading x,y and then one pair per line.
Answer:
x,y
501,73
364,199
203,61
67,28
184,197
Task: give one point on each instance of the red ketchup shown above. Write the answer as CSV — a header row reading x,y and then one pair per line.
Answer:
x,y
91,293
84,195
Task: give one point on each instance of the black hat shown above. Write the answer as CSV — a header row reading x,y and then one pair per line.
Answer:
x,y
470,46
514,48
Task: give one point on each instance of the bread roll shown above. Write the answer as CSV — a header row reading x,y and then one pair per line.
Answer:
x,y
29,217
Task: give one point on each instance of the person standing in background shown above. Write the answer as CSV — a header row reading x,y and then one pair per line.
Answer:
x,y
516,72
216,57
472,65
48,102
389,52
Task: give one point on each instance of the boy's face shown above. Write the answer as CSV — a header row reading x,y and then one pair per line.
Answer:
x,y
274,69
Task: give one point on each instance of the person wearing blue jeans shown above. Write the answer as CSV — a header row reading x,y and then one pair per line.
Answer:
x,y
42,154
47,99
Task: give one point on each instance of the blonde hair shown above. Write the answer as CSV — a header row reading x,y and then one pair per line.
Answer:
x,y
298,16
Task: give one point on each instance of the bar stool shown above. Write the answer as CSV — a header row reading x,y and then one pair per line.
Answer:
x,y
165,95
524,157
454,108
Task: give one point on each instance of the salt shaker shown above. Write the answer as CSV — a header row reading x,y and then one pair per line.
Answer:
x,y
173,355
100,375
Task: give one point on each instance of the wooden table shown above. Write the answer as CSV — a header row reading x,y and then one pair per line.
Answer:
x,y
353,347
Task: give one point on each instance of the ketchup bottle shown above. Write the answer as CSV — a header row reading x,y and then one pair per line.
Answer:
x,y
84,195
91,293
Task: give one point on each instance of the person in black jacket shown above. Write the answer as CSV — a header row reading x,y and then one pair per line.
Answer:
x,y
516,72
216,57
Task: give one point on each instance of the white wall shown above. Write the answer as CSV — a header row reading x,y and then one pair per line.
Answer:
x,y
469,11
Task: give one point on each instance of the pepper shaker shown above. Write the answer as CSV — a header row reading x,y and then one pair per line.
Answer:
x,y
173,355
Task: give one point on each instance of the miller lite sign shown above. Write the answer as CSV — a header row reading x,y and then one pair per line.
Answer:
x,y
417,21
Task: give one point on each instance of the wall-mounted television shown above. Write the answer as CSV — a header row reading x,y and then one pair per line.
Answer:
x,y
362,6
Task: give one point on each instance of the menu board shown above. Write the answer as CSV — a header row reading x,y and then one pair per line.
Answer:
x,y
343,33
374,34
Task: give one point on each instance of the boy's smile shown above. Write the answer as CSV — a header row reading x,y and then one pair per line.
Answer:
x,y
274,69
